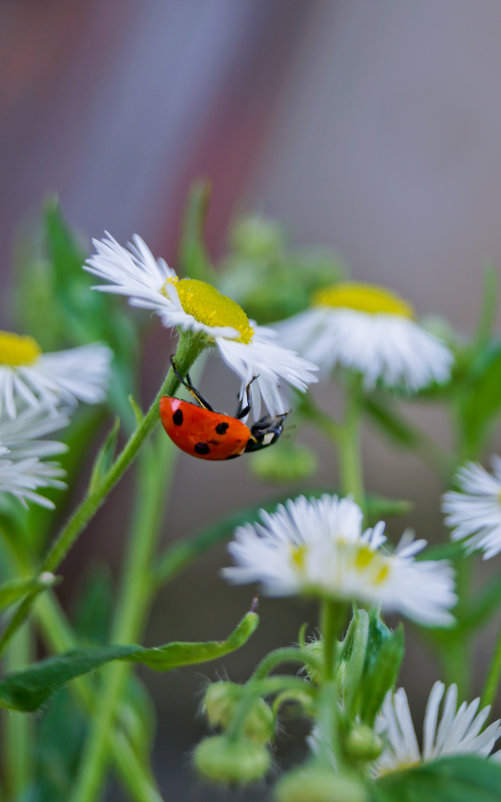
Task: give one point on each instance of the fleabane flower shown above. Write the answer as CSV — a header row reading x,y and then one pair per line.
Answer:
x,y
474,513
22,451
30,378
453,731
317,547
196,306
370,330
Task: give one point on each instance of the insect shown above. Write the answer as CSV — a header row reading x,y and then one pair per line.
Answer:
x,y
207,434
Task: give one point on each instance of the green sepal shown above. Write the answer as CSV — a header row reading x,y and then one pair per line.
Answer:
x,y
354,656
463,778
385,652
14,590
30,688
104,458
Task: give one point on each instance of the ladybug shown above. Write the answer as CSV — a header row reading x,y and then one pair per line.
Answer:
x,y
207,434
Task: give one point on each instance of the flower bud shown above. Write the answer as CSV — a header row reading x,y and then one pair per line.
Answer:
x,y
257,237
220,703
231,762
362,743
285,462
319,783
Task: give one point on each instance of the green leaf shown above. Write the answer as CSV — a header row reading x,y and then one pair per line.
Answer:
x,y
384,414
16,589
104,457
93,608
463,778
480,402
30,688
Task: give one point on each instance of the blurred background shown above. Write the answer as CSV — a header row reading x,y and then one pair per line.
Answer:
x,y
370,128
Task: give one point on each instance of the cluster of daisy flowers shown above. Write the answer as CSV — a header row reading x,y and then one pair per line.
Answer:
x,y
37,394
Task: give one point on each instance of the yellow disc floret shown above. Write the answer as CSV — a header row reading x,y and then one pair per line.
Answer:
x,y
16,350
210,307
366,298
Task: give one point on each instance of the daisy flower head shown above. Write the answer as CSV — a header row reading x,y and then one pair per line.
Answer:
x,y
370,330
453,731
317,547
196,306
22,451
474,513
30,378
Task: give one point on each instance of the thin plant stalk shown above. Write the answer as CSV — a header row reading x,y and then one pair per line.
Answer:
x,y
187,351
134,600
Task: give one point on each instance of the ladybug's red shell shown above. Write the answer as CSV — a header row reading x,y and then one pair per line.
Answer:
x,y
202,432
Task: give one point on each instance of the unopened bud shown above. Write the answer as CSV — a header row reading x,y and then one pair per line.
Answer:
x,y
231,762
285,462
319,783
257,237
220,704
362,743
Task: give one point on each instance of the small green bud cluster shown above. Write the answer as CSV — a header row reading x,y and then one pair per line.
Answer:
x,y
319,783
220,703
285,462
227,761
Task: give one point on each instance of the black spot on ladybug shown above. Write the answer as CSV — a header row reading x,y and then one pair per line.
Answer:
x,y
201,448
221,427
177,417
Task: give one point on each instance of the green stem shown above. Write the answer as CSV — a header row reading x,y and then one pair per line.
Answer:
x,y
350,465
187,351
287,654
59,637
18,768
332,618
132,607
493,676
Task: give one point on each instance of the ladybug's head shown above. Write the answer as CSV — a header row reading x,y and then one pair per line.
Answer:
x,y
266,431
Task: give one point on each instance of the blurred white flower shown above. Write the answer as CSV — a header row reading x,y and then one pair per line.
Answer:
x,y
193,305
456,731
474,514
317,547
29,378
370,330
22,470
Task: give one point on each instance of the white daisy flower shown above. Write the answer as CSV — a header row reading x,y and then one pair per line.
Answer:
x,y
29,378
371,330
317,547
456,731
193,305
474,514
22,471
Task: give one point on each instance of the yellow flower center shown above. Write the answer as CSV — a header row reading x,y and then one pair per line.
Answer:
x,y
298,557
16,350
366,298
210,307
366,557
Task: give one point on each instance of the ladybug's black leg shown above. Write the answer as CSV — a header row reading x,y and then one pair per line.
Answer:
x,y
189,386
244,405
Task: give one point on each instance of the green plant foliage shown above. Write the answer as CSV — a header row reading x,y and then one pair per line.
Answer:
x,y
463,778
16,589
30,688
